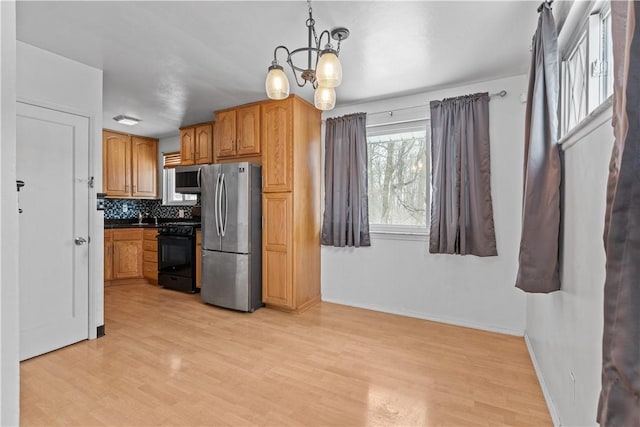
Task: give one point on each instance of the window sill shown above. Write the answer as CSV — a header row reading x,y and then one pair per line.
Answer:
x,y
180,203
594,120
399,235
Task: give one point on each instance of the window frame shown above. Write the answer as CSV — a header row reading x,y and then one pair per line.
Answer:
x,y
404,231
168,185
597,68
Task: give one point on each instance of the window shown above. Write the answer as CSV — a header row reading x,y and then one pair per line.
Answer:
x,y
587,70
169,196
397,171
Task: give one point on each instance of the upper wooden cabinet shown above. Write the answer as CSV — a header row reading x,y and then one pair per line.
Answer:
x,y
129,165
196,144
116,164
144,167
277,122
237,132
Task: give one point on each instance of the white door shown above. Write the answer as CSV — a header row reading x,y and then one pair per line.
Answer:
x,y
53,161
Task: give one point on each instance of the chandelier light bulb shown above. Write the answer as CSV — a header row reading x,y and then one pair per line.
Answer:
x,y
277,84
324,98
329,70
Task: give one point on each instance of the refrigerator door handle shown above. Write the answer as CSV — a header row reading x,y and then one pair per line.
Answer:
x,y
199,181
215,205
223,199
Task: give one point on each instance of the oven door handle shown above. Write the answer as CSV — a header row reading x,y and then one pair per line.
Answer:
x,y
166,237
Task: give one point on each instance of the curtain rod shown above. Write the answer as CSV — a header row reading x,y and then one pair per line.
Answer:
x,y
501,94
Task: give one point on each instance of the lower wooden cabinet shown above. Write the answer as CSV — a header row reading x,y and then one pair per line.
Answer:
x,y
108,255
127,253
131,253
150,255
277,286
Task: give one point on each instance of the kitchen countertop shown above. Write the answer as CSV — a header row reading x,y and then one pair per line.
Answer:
x,y
133,223
129,225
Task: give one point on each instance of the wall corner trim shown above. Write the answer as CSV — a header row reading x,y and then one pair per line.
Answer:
x,y
543,385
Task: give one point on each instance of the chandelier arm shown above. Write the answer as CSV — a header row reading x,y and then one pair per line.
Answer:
x,y
275,52
322,34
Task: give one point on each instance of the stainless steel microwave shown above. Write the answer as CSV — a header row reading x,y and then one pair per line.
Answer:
x,y
187,179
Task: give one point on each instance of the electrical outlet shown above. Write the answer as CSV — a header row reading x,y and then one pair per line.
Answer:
x,y
180,213
125,208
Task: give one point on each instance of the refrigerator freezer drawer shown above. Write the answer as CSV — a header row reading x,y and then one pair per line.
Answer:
x,y
228,280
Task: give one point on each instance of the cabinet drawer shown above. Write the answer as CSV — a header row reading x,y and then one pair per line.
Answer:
x,y
150,234
150,256
150,270
151,246
127,234
150,266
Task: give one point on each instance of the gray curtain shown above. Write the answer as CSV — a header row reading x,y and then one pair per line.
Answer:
x,y
538,269
461,208
620,395
346,201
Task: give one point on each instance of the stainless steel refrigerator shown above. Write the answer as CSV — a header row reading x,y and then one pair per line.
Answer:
x,y
232,235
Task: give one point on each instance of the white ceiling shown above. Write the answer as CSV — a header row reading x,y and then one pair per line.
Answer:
x,y
173,63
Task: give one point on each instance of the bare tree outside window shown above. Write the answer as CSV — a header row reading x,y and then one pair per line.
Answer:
x,y
398,177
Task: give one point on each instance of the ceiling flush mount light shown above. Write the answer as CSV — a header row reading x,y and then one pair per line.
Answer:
x,y
126,120
323,70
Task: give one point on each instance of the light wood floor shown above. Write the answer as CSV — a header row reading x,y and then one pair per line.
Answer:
x,y
168,359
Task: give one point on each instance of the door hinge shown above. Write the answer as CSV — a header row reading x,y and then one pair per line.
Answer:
x,y
91,180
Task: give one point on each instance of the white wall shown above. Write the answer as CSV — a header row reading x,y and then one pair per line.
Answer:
x,y
564,329
400,276
56,82
9,335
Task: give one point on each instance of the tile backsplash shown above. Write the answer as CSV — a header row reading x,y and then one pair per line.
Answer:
x,y
115,209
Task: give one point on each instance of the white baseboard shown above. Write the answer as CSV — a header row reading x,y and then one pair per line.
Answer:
x,y
543,385
424,316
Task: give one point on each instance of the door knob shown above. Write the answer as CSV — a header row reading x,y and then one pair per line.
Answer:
x,y
80,241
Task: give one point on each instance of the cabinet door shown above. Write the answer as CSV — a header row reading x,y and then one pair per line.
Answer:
x,y
108,256
225,134
127,257
116,164
277,160
248,130
127,253
144,165
203,146
187,146
277,284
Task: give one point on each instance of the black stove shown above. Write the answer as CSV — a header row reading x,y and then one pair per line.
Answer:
x,y
177,256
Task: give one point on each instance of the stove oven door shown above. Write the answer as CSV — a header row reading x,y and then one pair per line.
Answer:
x,y
175,255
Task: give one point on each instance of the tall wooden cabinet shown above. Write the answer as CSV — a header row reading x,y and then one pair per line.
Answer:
x,y
196,144
129,165
291,170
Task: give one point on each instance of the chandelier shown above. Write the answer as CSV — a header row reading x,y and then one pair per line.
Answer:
x,y
322,69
